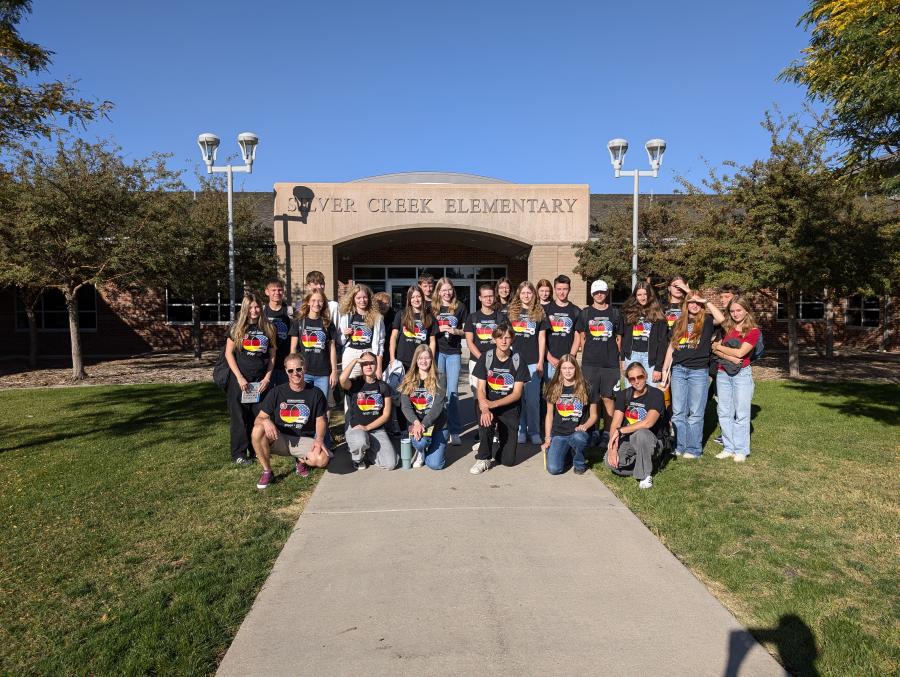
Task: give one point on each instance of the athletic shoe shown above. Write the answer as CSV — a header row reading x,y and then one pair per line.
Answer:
x,y
690,457
418,460
724,454
676,452
476,446
455,441
536,439
481,465
301,468
646,483
740,458
359,465
265,479
580,471
243,460
522,439
718,440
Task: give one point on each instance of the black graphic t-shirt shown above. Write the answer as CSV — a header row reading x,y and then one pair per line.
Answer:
x,y
526,330
408,341
636,408
422,402
481,326
314,341
673,312
281,321
362,335
293,412
366,401
502,313
562,321
694,357
640,335
450,344
600,327
252,354
501,378
568,412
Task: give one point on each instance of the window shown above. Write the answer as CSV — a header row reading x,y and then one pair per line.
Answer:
x,y
51,314
808,307
619,294
862,311
212,311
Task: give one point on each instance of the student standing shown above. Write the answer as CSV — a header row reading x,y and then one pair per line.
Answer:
x,y
570,415
646,333
426,283
600,330
451,319
562,316
423,397
361,327
544,292
529,325
502,297
279,315
312,334
315,281
501,375
369,401
734,380
412,327
676,300
250,353
480,327
687,369
726,293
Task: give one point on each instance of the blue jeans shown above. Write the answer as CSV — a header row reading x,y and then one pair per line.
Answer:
x,y
558,452
735,394
549,370
321,382
450,365
689,391
642,359
433,447
530,419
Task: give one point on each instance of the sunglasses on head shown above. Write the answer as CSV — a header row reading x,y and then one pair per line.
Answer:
x,y
298,370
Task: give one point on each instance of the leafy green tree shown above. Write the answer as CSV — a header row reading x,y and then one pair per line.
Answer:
x,y
853,64
90,217
28,107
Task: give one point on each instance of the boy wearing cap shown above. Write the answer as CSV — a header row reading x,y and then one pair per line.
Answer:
x,y
600,330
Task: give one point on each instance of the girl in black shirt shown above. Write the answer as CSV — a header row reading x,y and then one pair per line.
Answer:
x,y
645,338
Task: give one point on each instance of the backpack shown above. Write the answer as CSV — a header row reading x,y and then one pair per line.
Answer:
x,y
221,371
759,349
489,360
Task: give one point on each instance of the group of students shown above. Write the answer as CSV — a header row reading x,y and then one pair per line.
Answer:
x,y
402,376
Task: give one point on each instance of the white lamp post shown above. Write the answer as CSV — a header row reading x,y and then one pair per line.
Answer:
x,y
617,149
209,144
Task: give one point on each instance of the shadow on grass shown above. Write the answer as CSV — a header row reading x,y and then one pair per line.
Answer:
x,y
793,638
878,402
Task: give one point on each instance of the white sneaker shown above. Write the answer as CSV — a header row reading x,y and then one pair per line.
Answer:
x,y
455,441
480,466
521,438
724,454
740,458
476,446
418,460
646,483
536,439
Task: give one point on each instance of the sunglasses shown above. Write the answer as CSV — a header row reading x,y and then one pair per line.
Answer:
x,y
298,370
635,379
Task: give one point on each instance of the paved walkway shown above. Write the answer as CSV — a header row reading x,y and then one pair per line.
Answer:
x,y
512,572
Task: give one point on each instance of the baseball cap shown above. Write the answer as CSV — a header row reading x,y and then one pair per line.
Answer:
x,y
598,285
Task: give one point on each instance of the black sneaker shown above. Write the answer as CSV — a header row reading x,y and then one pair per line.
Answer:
x,y
360,465
243,460
580,471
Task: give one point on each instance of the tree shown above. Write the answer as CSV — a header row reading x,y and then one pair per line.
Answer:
x,y
90,217
198,267
853,64
29,108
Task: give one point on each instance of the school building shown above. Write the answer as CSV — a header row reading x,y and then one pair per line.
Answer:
x,y
385,231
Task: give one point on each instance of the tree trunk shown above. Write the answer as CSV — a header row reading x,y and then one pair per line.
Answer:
x,y
32,336
885,323
829,323
197,331
793,347
74,333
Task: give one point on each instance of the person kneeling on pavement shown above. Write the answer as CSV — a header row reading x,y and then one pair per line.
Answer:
x,y
291,422
369,407
633,445
570,415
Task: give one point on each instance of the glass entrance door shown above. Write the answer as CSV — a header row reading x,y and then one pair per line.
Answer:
x,y
396,288
465,292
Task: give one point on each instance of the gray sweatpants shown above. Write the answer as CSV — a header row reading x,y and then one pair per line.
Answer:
x,y
375,446
636,452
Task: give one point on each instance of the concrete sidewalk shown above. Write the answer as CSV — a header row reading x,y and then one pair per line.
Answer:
x,y
512,572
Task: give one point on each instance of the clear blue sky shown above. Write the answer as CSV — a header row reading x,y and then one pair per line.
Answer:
x,y
525,91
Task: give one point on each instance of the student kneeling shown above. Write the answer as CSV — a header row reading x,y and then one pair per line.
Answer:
x,y
369,402
291,422
632,446
570,415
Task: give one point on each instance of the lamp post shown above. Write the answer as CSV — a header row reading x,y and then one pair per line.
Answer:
x,y
209,144
617,149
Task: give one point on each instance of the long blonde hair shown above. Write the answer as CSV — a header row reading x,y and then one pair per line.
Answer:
x,y
239,328
411,381
536,312
554,388
680,327
348,305
324,314
436,297
749,319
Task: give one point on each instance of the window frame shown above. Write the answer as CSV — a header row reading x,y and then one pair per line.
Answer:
x,y
780,308
860,307
40,314
219,304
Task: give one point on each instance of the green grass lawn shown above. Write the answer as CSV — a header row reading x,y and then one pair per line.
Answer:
x,y
129,543
805,534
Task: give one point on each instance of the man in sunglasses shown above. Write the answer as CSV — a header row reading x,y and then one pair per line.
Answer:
x,y
636,425
291,422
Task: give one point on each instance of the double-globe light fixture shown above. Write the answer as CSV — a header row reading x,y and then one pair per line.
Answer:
x,y
617,149
209,144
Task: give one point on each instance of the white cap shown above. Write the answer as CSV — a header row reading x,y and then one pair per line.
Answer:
x,y
599,285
